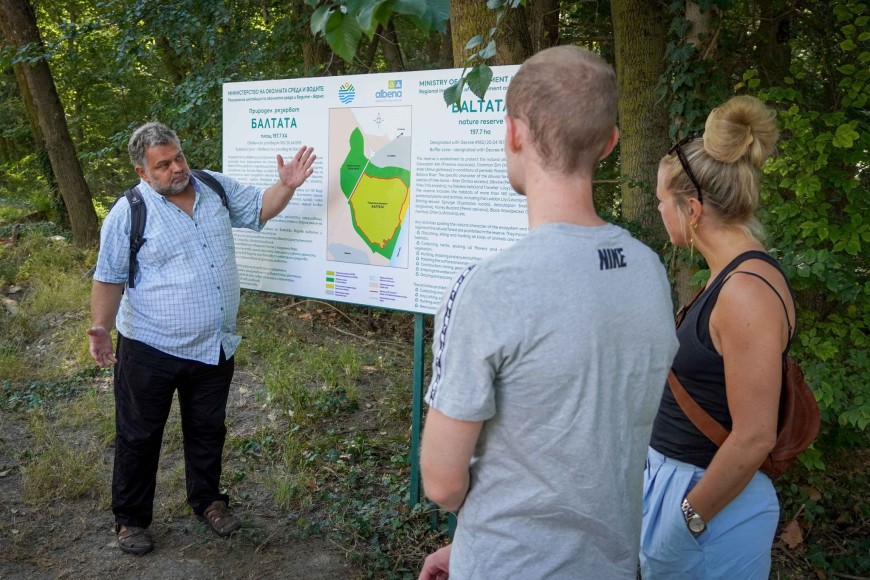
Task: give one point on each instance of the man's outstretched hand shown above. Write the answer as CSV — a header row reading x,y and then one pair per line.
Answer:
x,y
298,169
102,349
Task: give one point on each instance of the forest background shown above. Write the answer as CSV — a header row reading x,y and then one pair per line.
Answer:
x,y
79,76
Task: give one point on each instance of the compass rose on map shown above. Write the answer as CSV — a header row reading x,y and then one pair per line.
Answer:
x,y
379,120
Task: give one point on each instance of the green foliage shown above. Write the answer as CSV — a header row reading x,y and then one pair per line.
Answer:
x,y
343,22
362,483
34,394
825,503
815,191
816,194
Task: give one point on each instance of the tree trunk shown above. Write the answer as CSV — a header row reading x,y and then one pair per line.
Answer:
x,y
514,41
773,53
170,60
705,42
468,18
446,54
60,214
372,49
19,26
390,46
317,58
544,20
639,30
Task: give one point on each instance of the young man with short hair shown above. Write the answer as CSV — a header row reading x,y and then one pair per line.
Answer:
x,y
549,357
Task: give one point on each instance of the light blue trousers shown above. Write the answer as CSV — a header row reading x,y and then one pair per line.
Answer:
x,y
736,544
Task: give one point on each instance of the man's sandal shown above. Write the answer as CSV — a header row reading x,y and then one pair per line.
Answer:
x,y
134,540
220,519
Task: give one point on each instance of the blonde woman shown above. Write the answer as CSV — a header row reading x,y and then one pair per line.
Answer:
x,y
707,511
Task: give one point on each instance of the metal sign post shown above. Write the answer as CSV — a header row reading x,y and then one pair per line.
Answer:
x,y
417,408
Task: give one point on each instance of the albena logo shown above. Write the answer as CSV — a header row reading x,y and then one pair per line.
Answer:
x,y
394,91
346,93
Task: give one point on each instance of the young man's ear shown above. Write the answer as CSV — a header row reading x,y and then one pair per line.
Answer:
x,y
611,143
511,138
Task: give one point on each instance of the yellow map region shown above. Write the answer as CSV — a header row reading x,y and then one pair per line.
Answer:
x,y
378,207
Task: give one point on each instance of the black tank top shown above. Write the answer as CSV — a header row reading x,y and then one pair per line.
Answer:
x,y
701,371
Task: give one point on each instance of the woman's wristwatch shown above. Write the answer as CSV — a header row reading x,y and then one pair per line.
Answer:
x,y
694,521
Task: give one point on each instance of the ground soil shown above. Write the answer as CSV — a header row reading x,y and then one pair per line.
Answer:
x,y
74,538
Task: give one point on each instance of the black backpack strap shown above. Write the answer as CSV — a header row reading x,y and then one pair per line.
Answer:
x,y
138,215
137,230
213,183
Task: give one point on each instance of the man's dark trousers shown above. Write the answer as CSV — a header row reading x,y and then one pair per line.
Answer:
x,y
145,380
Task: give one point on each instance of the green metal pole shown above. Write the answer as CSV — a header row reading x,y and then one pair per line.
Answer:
x,y
417,410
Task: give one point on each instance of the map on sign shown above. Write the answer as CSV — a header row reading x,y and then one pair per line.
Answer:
x,y
369,191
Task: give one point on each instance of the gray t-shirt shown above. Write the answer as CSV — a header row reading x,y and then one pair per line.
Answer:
x,y
561,344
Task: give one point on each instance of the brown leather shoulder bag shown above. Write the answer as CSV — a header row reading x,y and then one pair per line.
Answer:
x,y
798,420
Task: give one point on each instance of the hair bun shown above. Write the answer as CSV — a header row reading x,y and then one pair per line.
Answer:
x,y
741,127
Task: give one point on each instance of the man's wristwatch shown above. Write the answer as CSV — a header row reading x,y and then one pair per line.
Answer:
x,y
694,522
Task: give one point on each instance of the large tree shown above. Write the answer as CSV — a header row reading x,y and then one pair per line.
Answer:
x,y
640,36
469,18
18,24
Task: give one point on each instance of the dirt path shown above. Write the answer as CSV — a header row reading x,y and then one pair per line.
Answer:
x,y
73,538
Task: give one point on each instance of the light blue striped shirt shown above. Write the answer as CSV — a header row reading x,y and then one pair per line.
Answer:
x,y
186,297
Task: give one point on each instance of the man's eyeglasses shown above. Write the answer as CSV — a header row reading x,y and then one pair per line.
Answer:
x,y
678,149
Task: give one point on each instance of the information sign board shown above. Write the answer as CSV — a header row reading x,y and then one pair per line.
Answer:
x,y
406,191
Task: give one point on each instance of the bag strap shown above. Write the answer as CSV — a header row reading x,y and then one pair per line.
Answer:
x,y
700,418
138,217
213,183
778,295
137,230
681,313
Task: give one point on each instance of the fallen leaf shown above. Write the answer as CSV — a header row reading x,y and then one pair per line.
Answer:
x,y
306,316
814,494
792,535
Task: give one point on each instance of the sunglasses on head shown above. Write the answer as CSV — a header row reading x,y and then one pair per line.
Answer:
x,y
678,149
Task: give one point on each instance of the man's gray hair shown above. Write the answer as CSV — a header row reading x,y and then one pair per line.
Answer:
x,y
149,135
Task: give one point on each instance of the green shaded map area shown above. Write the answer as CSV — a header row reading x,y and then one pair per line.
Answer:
x,y
378,197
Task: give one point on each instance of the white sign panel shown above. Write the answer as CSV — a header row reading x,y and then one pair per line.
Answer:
x,y
406,191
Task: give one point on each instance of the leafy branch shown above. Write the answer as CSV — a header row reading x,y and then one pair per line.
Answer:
x,y
480,75
343,22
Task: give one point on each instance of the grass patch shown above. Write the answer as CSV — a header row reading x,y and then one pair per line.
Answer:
x,y
171,494
63,472
354,488
12,363
45,337
94,409
341,378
